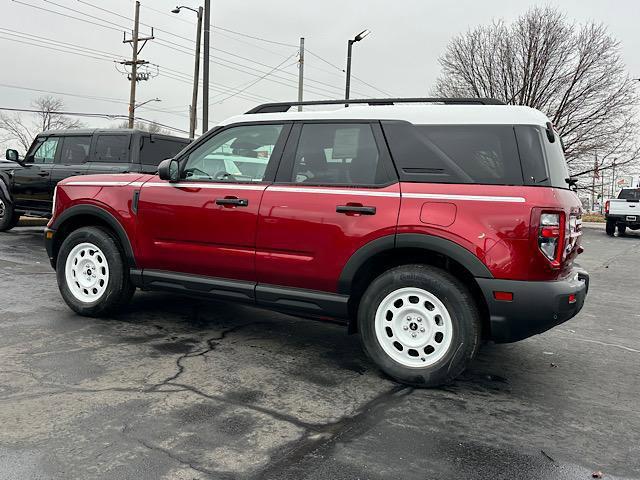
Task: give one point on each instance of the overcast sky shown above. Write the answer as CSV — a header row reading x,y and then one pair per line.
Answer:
x,y
399,57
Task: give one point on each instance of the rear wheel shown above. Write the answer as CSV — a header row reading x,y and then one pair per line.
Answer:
x,y
419,324
91,272
622,229
610,228
8,218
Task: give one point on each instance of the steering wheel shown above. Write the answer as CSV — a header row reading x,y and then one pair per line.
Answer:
x,y
225,176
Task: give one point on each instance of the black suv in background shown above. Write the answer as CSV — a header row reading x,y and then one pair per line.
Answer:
x,y
26,187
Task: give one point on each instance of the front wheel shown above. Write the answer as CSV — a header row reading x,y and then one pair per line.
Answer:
x,y
8,218
419,324
91,272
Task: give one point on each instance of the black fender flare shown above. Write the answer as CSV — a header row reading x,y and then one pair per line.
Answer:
x,y
5,189
432,243
104,215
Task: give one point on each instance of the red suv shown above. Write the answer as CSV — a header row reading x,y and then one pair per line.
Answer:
x,y
426,227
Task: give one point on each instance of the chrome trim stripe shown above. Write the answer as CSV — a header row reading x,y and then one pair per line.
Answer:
x,y
226,186
473,198
331,191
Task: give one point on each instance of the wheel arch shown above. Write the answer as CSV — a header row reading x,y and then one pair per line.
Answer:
x,y
90,215
391,251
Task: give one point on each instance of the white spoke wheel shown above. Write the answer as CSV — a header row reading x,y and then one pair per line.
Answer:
x,y
3,208
419,324
87,272
92,272
413,327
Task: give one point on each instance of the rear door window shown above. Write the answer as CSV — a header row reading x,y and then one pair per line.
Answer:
x,y
75,150
338,154
112,148
155,149
482,154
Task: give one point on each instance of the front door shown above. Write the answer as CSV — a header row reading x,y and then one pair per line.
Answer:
x,y
206,223
336,191
32,183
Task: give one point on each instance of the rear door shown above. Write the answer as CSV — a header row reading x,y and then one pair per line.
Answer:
x,y
336,190
72,160
32,183
206,223
111,153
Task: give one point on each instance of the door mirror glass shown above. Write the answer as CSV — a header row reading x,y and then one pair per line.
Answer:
x,y
12,155
169,169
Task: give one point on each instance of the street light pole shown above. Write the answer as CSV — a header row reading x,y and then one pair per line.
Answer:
x,y
196,71
355,39
348,85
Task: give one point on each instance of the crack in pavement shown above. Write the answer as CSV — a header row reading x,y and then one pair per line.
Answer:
x,y
294,453
211,345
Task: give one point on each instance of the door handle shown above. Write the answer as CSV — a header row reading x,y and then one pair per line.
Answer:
x,y
232,202
43,174
362,210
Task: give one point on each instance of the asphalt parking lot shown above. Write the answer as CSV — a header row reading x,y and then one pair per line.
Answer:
x,y
185,389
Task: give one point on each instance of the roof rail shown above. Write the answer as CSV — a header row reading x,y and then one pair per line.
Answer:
x,y
280,107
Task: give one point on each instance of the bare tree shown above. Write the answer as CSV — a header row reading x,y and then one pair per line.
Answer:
x,y
48,117
573,73
151,127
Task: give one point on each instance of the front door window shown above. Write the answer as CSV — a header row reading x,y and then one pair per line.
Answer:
x,y
239,154
46,152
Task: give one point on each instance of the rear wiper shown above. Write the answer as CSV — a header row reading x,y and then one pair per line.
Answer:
x,y
572,182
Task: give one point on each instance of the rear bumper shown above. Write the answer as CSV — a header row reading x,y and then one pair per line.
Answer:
x,y
536,306
624,218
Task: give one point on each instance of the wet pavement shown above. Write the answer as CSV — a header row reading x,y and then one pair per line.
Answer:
x,y
176,388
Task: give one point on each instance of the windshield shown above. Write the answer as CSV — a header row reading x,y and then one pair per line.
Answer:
x,y
630,194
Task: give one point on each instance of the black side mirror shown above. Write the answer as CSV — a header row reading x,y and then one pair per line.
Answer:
x,y
169,169
12,155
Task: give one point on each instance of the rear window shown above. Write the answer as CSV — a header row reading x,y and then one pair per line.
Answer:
x,y
154,149
629,194
484,154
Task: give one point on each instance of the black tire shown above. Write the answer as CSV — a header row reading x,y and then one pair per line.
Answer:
x,y
610,228
462,309
8,218
622,229
119,288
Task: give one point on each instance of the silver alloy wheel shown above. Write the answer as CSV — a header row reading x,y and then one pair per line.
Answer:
x,y
87,272
3,208
413,327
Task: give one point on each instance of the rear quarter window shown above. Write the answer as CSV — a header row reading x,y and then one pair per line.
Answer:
x,y
155,149
481,154
543,162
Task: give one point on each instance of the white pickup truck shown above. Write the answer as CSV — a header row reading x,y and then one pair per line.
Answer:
x,y
623,212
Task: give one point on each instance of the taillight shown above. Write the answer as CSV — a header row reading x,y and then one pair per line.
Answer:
x,y
551,236
606,207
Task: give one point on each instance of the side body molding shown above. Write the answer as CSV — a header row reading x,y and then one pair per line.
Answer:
x,y
410,240
105,216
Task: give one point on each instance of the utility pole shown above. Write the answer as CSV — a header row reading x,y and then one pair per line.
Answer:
x,y
205,67
593,184
613,179
134,41
196,76
300,72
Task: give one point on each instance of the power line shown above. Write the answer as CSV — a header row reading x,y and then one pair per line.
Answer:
x,y
108,116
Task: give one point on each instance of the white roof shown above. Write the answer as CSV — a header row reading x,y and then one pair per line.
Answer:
x,y
423,114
